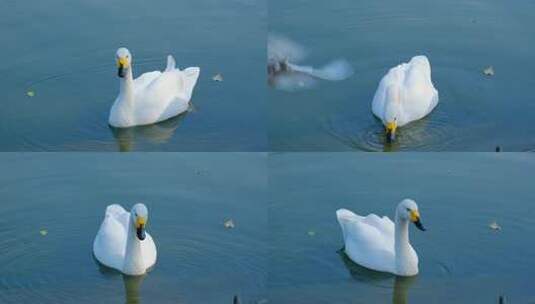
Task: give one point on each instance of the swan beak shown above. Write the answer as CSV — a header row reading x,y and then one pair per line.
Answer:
x,y
122,63
415,218
391,131
140,228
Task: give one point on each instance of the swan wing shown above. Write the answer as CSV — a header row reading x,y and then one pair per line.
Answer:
x,y
144,80
176,84
190,76
110,243
419,95
393,77
166,96
369,241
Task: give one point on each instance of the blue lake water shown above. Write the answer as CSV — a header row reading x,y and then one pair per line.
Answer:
x,y
462,260
460,38
189,196
64,54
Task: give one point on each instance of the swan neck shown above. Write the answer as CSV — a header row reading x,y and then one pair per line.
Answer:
x,y
133,262
402,235
126,90
406,264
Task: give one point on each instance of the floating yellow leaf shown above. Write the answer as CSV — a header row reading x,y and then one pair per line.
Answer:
x,y
43,232
30,93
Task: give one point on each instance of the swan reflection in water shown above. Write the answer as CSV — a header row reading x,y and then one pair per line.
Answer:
x,y
401,285
132,285
159,133
284,72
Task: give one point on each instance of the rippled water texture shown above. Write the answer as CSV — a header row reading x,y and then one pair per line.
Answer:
x,y
53,204
63,54
460,38
462,260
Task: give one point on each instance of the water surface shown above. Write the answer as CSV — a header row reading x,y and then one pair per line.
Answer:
x,y
460,38
462,260
189,196
64,53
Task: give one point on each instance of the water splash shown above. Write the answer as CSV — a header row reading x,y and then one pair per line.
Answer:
x,y
284,72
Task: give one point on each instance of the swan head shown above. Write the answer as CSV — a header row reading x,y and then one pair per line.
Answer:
x,y
407,210
140,216
391,113
124,59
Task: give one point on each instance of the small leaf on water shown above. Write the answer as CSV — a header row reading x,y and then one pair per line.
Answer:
x,y
489,71
43,232
311,233
495,226
218,77
229,224
30,93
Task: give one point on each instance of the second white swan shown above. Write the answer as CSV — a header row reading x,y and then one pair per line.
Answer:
x,y
122,242
376,243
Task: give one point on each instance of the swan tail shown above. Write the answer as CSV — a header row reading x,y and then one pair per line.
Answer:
x,y
171,63
190,80
115,210
344,217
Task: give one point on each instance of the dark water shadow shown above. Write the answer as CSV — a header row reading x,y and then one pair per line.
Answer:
x,y
400,285
132,284
363,274
160,133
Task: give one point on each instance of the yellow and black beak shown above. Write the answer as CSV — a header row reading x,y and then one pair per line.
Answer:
x,y
122,64
415,218
391,131
140,228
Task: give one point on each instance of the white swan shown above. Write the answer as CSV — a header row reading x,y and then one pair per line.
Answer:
x,y
376,243
122,243
405,94
153,96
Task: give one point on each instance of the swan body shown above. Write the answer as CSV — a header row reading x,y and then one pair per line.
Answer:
x,y
379,244
122,243
153,96
405,94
